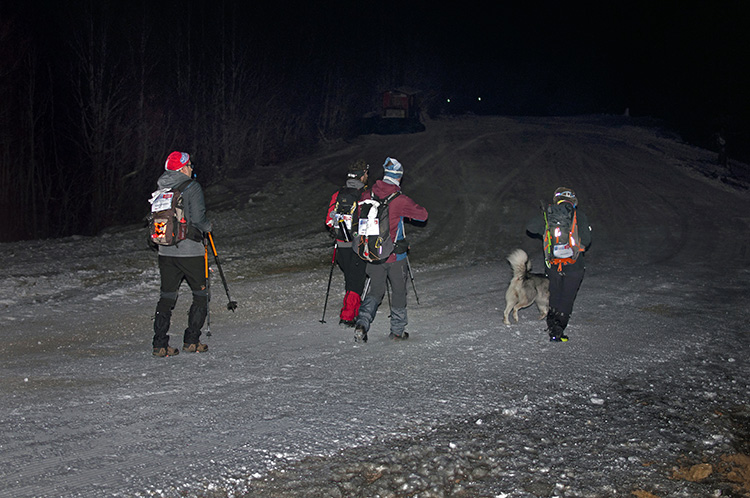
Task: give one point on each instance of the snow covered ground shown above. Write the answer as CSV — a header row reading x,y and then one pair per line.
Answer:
x,y
648,398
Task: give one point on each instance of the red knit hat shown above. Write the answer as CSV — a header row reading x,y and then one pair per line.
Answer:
x,y
176,160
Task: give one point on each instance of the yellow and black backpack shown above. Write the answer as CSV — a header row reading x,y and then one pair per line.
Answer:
x,y
561,243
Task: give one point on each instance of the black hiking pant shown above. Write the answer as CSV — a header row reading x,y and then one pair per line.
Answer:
x,y
173,271
354,268
563,287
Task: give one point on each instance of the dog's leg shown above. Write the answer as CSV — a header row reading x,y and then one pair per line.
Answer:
x,y
508,307
542,302
510,301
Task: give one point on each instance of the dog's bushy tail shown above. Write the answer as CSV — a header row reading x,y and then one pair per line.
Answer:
x,y
519,262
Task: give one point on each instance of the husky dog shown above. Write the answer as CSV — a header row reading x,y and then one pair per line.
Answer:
x,y
525,288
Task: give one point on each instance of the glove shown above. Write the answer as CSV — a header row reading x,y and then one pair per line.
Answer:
x,y
401,246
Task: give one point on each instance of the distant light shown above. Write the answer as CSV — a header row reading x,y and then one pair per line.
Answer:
x,y
479,99
448,100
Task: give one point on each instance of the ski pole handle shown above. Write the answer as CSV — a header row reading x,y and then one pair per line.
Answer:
x,y
205,259
213,247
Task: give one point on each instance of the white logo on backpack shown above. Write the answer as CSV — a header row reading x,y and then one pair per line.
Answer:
x,y
371,224
167,223
161,200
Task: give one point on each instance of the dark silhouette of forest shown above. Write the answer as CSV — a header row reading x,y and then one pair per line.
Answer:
x,y
96,93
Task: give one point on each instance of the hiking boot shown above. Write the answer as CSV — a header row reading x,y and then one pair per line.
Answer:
x,y
360,334
558,338
346,323
167,351
195,348
395,337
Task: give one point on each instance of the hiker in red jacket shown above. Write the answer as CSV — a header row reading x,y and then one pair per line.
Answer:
x,y
394,268
342,222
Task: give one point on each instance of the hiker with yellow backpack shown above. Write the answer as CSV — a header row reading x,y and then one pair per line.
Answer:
x,y
566,234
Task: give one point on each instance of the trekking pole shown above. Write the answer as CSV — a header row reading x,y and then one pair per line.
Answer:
x,y
365,289
548,242
330,276
231,305
411,275
208,290
388,291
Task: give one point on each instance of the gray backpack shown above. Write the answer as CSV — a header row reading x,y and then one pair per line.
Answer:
x,y
374,243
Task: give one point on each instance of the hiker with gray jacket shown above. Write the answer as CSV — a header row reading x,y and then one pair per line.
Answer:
x,y
184,260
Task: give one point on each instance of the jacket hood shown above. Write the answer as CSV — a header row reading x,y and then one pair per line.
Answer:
x,y
354,183
170,179
383,189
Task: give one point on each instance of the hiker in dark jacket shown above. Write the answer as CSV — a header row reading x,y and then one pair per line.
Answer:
x,y
394,269
565,276
185,260
342,228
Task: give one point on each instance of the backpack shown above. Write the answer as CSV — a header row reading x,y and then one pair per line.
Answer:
x,y
561,245
346,208
374,243
166,223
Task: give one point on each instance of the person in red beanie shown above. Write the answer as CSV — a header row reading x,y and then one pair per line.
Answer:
x,y
185,260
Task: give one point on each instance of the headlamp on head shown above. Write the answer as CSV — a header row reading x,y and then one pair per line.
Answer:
x,y
358,169
565,194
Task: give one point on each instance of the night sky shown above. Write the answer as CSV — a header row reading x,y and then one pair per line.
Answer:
x,y
90,83
668,59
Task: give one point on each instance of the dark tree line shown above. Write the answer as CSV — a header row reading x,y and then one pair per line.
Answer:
x,y
96,93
